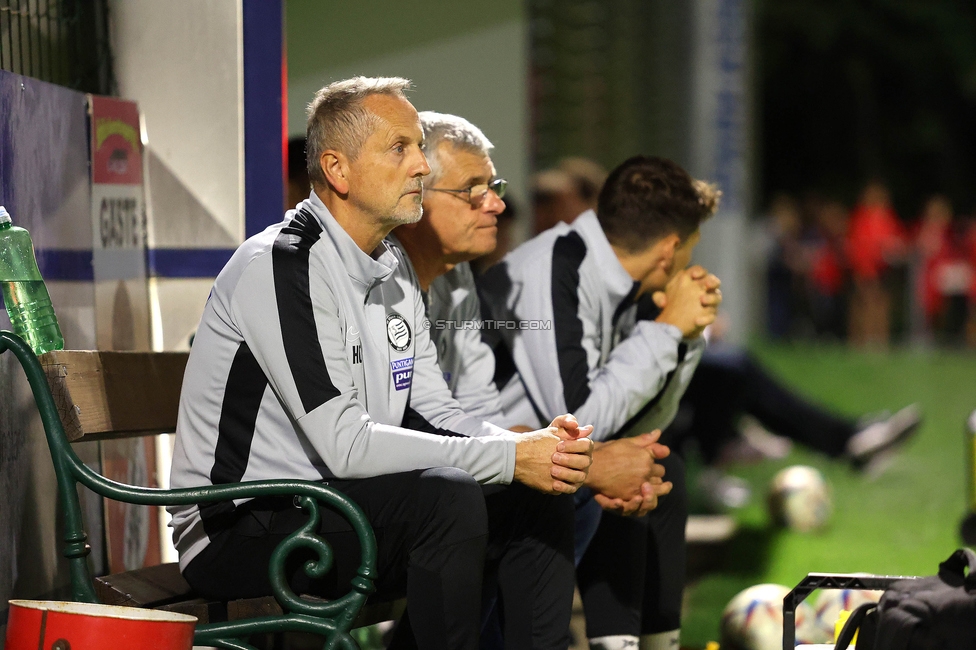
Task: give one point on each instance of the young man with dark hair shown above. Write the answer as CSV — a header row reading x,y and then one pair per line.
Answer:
x,y
572,292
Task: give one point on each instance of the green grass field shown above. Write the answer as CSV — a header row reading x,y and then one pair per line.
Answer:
x,y
903,523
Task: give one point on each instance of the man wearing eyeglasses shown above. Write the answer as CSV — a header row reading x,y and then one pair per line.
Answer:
x,y
462,198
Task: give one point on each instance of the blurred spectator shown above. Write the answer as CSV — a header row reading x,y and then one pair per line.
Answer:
x,y
946,279
876,250
564,192
828,273
588,178
553,199
786,268
930,244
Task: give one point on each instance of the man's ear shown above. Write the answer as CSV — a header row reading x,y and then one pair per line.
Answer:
x,y
335,168
666,248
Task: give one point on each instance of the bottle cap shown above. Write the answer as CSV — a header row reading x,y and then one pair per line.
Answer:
x,y
4,215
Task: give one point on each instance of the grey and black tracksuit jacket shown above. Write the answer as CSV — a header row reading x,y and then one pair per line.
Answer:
x,y
567,338
467,362
312,362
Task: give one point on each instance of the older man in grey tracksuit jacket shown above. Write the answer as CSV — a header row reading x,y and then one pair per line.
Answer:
x,y
468,364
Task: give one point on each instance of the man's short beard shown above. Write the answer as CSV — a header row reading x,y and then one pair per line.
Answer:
x,y
401,217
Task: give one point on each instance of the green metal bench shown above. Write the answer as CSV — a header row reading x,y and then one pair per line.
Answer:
x,y
332,620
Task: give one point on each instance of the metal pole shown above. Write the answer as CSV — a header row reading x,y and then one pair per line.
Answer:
x,y
967,528
3,11
30,72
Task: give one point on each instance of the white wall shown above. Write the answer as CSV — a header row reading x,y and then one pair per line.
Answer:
x,y
182,61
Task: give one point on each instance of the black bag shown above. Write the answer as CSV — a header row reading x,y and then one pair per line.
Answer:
x,y
934,613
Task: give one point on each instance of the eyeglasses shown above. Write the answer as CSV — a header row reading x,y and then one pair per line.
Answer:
x,y
477,193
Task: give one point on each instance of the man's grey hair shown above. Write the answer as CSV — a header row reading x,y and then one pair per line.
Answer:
x,y
337,119
457,131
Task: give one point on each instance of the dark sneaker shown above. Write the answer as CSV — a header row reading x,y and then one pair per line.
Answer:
x,y
875,440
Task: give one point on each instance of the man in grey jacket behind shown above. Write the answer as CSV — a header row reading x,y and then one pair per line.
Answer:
x,y
462,198
581,282
311,362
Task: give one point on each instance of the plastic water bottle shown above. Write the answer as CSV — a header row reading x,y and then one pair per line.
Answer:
x,y
24,294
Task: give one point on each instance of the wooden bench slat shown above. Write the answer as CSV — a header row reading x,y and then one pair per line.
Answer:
x,y
147,587
205,611
115,394
163,587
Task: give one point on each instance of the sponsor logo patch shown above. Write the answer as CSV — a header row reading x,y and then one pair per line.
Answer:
x,y
398,332
402,370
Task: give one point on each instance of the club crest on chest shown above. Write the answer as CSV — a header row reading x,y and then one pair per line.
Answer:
x,y
398,332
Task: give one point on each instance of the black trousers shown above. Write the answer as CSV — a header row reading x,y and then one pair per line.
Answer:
x,y
729,383
632,576
442,541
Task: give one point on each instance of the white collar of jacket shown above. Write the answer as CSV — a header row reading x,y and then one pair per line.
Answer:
x,y
618,282
364,269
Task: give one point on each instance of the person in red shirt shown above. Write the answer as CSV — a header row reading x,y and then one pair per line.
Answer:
x,y
931,245
875,241
828,272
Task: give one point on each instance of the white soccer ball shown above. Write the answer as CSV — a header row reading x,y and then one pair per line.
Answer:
x,y
829,604
799,498
753,619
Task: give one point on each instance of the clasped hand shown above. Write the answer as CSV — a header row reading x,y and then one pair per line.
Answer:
x,y
555,460
690,301
625,478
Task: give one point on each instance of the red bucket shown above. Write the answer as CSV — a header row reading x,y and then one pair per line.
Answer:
x,y
47,624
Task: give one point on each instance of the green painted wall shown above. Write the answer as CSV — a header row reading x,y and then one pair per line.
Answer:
x,y
325,34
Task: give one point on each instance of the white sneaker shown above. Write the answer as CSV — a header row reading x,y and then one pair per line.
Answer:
x,y
872,440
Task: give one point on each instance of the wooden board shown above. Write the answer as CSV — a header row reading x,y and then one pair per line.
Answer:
x,y
115,394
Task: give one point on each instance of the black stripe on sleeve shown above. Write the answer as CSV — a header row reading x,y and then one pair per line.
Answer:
x,y
416,422
567,256
504,365
295,315
495,282
246,384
